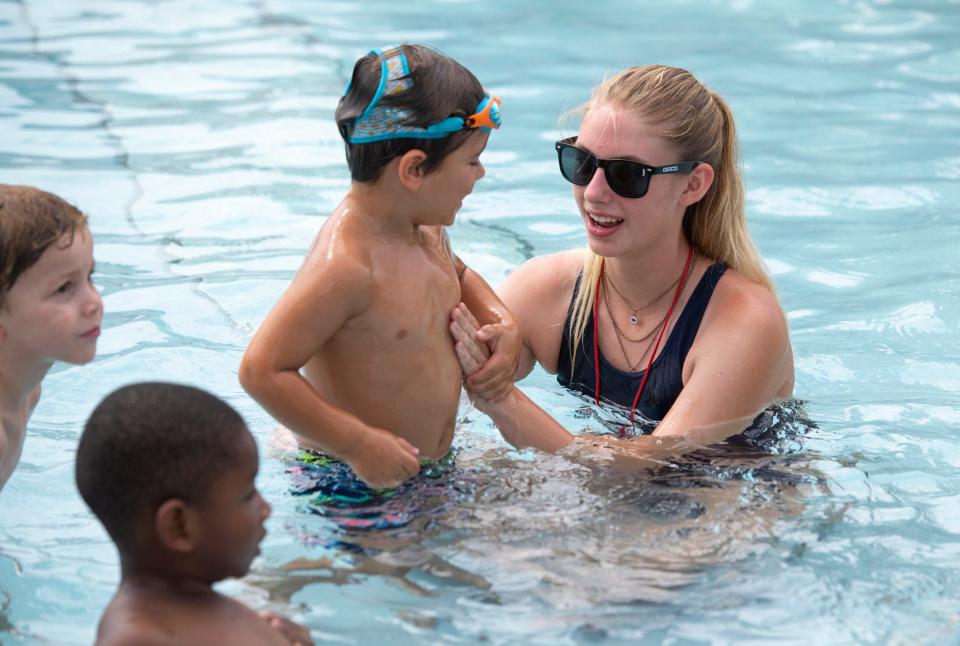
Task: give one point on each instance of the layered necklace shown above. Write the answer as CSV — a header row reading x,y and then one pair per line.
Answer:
x,y
621,336
655,335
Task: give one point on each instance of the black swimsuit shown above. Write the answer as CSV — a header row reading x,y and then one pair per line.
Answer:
x,y
618,386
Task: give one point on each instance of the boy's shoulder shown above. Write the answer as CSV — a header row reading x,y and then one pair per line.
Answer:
x,y
134,617
127,622
336,255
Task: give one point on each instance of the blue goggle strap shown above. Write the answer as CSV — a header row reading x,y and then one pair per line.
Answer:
x,y
387,123
393,72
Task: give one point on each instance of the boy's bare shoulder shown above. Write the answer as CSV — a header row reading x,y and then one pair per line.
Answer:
x,y
336,255
136,616
123,626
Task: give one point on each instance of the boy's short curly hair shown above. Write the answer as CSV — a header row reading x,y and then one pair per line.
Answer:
x,y
30,221
150,442
441,88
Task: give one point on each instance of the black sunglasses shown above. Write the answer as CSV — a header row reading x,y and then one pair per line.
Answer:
x,y
627,178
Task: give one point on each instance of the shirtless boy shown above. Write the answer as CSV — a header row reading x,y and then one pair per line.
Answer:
x,y
49,309
169,470
356,358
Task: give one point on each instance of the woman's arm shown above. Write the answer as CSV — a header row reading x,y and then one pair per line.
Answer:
x,y
497,328
521,422
740,362
537,294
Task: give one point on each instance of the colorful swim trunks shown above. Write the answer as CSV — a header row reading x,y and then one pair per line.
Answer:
x,y
338,494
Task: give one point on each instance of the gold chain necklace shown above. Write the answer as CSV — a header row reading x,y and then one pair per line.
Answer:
x,y
633,316
616,326
621,337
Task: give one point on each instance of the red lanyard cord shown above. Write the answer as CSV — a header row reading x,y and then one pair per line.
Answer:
x,y
663,329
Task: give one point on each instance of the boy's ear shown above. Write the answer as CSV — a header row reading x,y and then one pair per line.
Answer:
x,y
698,183
177,525
411,170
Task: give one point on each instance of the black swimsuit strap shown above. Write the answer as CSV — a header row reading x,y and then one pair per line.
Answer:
x,y
666,379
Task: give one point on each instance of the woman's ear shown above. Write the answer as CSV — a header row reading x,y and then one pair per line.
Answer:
x,y
698,183
177,526
411,169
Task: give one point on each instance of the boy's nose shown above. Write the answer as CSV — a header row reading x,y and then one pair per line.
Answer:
x,y
265,508
94,302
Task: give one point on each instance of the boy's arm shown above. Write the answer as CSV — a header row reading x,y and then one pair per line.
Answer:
x,y
521,422
11,439
499,331
321,298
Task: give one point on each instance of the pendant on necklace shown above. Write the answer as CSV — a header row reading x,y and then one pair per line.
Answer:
x,y
634,319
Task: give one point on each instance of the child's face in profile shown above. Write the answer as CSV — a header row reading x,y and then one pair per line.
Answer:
x,y
53,311
455,178
232,515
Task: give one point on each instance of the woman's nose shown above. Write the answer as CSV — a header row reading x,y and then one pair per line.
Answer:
x,y
597,189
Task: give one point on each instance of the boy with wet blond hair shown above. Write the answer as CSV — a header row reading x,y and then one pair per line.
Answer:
x,y
49,309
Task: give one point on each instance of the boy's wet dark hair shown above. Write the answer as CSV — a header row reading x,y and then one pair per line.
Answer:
x,y
441,88
30,221
150,442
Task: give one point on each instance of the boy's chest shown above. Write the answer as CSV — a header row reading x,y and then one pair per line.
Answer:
x,y
414,293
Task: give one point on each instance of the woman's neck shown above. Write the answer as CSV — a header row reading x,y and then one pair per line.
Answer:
x,y
643,276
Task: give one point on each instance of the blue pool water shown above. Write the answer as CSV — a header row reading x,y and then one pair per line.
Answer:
x,y
199,137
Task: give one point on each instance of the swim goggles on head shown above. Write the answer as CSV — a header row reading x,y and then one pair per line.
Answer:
x,y
625,177
379,122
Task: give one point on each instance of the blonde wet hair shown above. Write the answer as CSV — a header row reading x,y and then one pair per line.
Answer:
x,y
698,124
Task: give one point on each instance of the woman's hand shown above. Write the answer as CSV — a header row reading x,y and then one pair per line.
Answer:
x,y
293,632
488,354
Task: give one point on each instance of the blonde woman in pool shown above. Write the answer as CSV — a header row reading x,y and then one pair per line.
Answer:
x,y
669,311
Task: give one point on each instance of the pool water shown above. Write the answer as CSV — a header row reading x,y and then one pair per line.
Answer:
x,y
199,136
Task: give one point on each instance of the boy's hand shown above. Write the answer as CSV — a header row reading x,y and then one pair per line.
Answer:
x,y
493,378
471,352
293,632
382,459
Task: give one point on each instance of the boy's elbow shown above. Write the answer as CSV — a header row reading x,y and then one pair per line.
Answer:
x,y
251,373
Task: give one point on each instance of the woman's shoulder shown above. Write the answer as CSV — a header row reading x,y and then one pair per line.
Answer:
x,y
538,293
556,272
737,298
744,336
